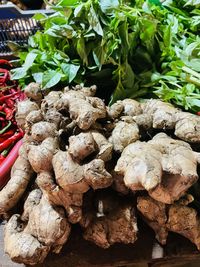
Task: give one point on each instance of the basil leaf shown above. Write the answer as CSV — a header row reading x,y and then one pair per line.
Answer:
x,y
70,70
94,21
108,6
50,78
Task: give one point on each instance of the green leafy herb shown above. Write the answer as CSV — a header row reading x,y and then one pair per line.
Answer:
x,y
146,48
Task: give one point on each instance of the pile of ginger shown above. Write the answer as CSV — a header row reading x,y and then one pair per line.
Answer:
x,y
84,163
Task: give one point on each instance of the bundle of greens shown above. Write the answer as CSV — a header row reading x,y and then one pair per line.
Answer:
x,y
146,48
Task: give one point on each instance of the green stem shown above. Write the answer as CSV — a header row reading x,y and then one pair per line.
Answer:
x,y
192,72
193,80
5,128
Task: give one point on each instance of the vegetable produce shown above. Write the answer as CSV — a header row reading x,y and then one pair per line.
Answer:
x,y
84,162
41,227
8,162
9,94
177,218
115,222
146,47
21,174
160,115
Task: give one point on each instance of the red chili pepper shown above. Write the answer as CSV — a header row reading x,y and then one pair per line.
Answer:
x,y
6,135
10,141
198,113
5,62
3,98
3,155
10,103
8,163
1,159
5,77
9,112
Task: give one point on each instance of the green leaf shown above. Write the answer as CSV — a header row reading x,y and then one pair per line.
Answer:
x,y
94,21
167,36
194,64
32,42
38,76
70,70
108,6
67,3
99,56
119,93
18,73
82,50
51,78
39,16
155,2
123,34
30,58
78,10
128,79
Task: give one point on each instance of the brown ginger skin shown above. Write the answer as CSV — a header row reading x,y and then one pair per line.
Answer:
x,y
81,145
165,167
126,107
21,174
177,218
33,91
188,127
179,164
23,109
140,165
40,156
83,110
33,253
113,222
57,196
154,113
45,228
76,178
125,132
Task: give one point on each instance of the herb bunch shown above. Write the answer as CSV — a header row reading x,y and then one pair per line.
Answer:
x,y
147,48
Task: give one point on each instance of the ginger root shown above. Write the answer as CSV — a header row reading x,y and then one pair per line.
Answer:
x,y
40,156
125,132
165,167
111,223
176,218
179,164
43,129
140,165
83,110
23,109
57,196
33,91
76,178
44,229
21,175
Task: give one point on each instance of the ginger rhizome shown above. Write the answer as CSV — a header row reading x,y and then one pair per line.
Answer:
x,y
84,163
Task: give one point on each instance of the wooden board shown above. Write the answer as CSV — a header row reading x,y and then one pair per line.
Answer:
x,y
80,253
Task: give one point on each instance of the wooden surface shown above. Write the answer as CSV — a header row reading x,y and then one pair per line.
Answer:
x,y
80,253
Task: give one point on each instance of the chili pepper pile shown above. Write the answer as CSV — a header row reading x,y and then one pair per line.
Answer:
x,y
10,93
